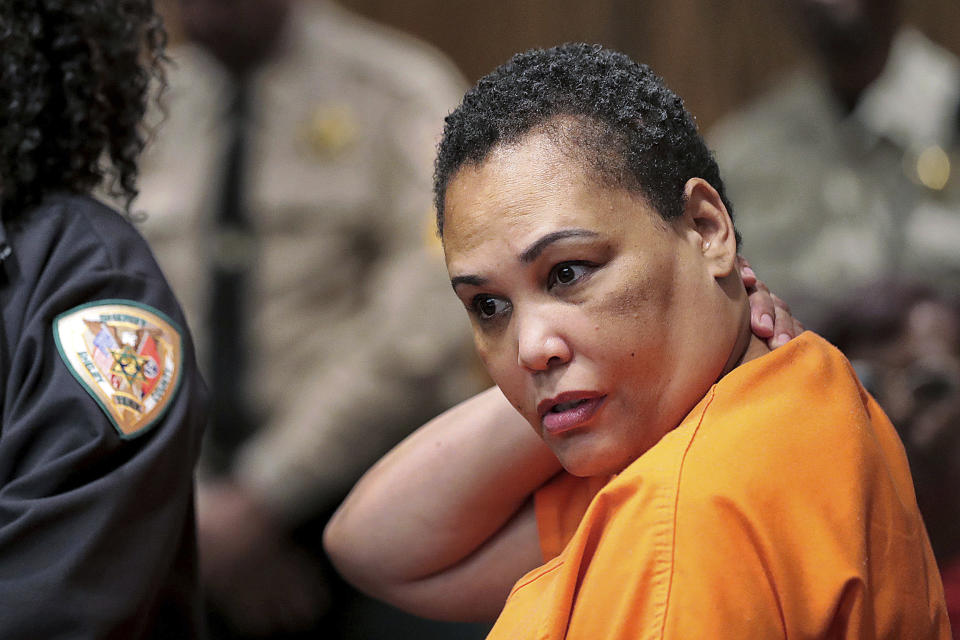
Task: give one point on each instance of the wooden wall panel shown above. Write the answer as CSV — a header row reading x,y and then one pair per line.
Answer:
x,y
715,53
939,19
480,35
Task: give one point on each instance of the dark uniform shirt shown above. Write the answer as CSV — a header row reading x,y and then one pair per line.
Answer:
x,y
96,524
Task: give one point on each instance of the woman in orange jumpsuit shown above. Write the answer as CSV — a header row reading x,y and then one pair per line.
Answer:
x,y
711,488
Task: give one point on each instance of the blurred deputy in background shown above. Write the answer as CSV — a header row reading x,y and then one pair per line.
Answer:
x,y
103,405
710,487
290,206
849,170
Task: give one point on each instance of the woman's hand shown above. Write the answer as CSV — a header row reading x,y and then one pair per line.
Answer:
x,y
770,317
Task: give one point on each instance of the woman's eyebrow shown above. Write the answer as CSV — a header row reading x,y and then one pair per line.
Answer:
x,y
471,279
529,254
534,250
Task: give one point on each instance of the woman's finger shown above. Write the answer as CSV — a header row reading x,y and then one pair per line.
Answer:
x,y
762,310
785,326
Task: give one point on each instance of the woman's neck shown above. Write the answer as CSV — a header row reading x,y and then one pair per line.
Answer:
x,y
747,347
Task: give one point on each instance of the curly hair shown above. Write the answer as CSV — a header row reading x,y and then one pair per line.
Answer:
x,y
75,81
629,128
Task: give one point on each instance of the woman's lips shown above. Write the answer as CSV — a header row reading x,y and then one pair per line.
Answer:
x,y
574,413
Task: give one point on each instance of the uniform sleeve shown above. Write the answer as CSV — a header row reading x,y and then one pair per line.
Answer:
x,y
96,530
411,357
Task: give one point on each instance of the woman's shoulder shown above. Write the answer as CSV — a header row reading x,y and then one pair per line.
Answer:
x,y
803,395
72,229
767,415
84,214
799,482
795,422
72,249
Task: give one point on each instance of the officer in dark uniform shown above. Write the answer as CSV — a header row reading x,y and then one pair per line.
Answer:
x,y
101,404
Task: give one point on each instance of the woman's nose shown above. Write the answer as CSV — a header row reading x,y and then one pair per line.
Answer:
x,y
540,346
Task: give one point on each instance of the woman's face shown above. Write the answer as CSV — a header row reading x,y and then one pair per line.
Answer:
x,y
591,313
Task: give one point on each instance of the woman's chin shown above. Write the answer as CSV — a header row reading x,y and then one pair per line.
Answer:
x,y
589,454
584,462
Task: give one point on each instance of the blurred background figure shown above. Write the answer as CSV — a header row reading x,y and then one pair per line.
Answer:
x,y
289,197
850,169
904,341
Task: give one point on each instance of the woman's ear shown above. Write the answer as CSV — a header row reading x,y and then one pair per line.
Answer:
x,y
708,224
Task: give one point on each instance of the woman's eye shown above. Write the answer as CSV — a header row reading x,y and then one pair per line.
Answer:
x,y
487,307
567,273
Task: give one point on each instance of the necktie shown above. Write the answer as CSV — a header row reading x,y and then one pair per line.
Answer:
x,y
227,326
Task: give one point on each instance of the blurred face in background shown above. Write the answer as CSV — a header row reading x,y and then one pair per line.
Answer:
x,y
841,28
852,38
241,34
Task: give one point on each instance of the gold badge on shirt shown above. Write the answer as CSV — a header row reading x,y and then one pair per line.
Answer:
x,y
330,130
127,355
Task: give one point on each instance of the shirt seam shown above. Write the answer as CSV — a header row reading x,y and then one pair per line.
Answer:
x,y
544,570
673,529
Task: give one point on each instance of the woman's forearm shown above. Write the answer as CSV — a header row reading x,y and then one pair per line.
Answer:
x,y
443,525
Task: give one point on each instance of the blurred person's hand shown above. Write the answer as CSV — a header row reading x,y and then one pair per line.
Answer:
x,y
258,580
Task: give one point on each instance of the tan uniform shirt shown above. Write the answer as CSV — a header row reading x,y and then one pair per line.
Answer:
x,y
827,202
356,336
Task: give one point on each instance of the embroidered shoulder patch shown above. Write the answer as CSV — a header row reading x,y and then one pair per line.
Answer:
x,y
127,355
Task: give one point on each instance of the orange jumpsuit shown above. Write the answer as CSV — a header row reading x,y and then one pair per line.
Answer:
x,y
781,507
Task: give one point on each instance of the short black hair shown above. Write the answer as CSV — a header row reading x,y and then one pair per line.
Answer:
x,y
75,81
631,129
